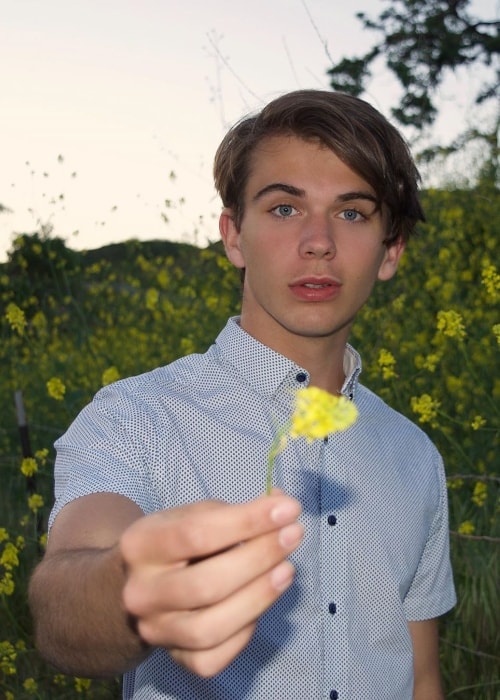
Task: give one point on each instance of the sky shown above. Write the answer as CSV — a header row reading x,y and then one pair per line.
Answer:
x,y
111,110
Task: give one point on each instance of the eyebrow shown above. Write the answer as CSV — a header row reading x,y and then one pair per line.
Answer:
x,y
297,192
279,187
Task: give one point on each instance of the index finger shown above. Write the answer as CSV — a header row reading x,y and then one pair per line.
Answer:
x,y
201,529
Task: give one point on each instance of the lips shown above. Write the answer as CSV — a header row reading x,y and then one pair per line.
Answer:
x,y
315,288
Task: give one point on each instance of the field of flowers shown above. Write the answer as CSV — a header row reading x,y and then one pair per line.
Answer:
x,y
430,340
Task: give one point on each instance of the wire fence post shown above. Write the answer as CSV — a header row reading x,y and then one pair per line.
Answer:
x,y
24,435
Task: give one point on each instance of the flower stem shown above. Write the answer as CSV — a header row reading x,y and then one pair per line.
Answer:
x,y
278,445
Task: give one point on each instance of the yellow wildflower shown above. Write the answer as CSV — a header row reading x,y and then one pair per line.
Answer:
x,y
7,587
426,407
387,361
450,323
480,493
478,422
152,297
9,695
454,484
110,375
187,346
9,558
30,685
82,684
41,455
491,280
29,466
35,502
496,332
16,317
466,528
318,413
43,539
4,535
431,361
39,321
60,679
56,388
8,656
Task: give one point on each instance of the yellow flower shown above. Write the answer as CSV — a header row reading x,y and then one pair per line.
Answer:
x,y
30,685
478,422
110,375
9,695
41,455
426,407
466,528
16,317
496,332
82,684
491,280
431,361
7,587
453,483
35,502
451,324
152,297
8,656
9,558
480,493
4,535
29,466
56,388
317,413
387,361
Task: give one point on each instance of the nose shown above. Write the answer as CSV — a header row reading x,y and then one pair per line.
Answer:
x,y
317,239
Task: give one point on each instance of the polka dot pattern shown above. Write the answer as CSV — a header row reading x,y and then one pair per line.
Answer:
x,y
375,552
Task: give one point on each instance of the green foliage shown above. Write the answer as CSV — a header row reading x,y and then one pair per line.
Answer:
x,y
420,41
430,341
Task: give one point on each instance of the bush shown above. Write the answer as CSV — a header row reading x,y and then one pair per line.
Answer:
x,y
430,340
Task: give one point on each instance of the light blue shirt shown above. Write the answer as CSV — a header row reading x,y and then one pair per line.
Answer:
x,y
375,553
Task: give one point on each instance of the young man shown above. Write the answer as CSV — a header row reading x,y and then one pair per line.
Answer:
x,y
165,561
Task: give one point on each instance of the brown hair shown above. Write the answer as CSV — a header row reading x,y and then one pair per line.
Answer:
x,y
354,130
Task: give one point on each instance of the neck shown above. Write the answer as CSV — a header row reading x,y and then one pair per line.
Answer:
x,y
324,364
321,356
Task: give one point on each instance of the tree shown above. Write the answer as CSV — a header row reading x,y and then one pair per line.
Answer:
x,y
421,41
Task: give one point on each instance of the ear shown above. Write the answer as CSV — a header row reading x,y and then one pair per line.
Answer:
x,y
390,261
231,238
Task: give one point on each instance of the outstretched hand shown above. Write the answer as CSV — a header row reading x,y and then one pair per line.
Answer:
x,y
199,576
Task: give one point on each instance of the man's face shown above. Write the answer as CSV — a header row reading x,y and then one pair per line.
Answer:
x,y
311,243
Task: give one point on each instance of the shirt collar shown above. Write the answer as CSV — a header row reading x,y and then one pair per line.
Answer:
x,y
266,370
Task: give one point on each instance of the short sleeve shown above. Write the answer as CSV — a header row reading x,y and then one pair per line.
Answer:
x,y
432,591
105,450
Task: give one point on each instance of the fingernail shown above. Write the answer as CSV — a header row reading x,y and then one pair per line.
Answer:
x,y
282,575
285,511
290,536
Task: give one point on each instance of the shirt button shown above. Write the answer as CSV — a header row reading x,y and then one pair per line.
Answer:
x,y
332,608
301,377
334,695
332,520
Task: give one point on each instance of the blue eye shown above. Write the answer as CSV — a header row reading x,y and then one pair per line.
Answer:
x,y
284,210
351,214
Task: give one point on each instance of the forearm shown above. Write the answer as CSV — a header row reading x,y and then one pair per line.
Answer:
x,y
81,625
